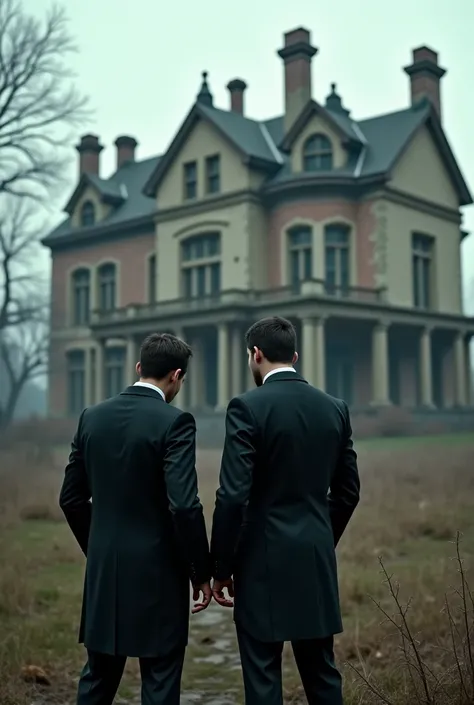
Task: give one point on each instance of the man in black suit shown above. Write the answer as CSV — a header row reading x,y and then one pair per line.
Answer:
x,y
143,533
288,486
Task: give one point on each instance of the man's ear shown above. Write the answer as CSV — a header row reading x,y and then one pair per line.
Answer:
x,y
257,354
176,375
138,369
295,358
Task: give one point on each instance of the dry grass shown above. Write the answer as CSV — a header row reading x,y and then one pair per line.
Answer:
x,y
415,496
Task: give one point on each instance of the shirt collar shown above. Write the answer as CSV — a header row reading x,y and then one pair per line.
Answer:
x,y
279,369
151,386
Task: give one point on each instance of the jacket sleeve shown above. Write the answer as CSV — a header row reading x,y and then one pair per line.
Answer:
x,y
235,483
343,496
75,495
182,489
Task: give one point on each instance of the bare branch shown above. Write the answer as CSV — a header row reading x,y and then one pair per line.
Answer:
x,y
39,103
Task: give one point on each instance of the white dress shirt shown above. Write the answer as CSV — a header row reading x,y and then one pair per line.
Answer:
x,y
279,369
151,386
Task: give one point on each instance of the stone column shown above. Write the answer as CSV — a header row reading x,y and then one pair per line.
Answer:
x,y
469,376
459,370
320,354
380,366
99,371
223,364
308,346
426,372
196,375
237,360
132,356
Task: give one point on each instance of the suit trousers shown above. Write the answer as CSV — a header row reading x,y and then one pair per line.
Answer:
x,y
262,670
161,679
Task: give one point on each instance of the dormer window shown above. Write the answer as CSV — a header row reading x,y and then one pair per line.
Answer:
x,y
87,213
317,153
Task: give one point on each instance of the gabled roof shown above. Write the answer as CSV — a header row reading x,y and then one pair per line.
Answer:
x,y
109,191
130,178
342,124
246,135
389,135
375,145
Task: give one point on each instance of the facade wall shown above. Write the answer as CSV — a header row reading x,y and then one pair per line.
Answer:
x,y
130,255
421,172
394,241
318,214
204,141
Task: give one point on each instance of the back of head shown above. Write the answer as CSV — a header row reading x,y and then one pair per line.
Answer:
x,y
275,338
161,355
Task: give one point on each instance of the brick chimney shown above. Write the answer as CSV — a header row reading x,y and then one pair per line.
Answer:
x,y
425,77
89,149
297,54
126,146
236,89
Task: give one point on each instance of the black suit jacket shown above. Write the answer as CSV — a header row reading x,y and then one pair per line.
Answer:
x,y
288,486
144,533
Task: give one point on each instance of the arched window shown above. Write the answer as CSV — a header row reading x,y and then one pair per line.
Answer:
x,y
201,265
300,255
337,258
317,153
81,289
107,286
87,213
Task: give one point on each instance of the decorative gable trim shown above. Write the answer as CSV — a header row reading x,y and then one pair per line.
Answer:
x,y
313,108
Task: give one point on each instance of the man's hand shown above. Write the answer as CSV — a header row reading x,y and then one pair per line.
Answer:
x,y
206,591
218,587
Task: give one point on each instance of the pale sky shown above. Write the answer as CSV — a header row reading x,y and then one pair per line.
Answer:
x,y
141,65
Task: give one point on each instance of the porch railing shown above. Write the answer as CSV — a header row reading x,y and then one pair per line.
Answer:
x,y
311,288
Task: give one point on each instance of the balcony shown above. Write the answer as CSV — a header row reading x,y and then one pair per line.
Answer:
x,y
245,300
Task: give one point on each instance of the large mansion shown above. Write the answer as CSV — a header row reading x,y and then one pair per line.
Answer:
x,y
351,228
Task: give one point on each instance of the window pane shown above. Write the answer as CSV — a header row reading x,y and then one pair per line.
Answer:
x,y
307,264
325,162
425,282
294,268
330,267
344,268
201,281
416,281
187,283
215,278
300,236
336,235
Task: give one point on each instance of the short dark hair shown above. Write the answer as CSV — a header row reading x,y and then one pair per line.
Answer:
x,y
161,353
275,337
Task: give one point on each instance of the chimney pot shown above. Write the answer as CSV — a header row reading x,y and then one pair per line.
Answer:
x,y
425,77
297,54
125,146
89,149
236,88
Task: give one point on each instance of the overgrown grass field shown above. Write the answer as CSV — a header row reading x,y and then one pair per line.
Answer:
x,y
417,493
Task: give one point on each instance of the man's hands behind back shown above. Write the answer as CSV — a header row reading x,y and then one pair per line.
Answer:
x,y
219,595
200,605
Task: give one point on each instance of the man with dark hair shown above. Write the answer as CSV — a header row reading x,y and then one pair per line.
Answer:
x,y
289,484
143,534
